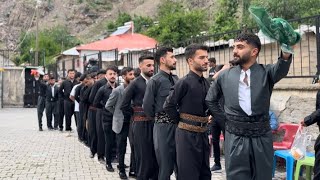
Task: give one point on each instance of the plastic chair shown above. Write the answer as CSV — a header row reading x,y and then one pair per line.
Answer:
x,y
285,154
308,162
290,132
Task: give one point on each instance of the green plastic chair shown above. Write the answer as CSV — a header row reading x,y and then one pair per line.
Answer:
x,y
308,162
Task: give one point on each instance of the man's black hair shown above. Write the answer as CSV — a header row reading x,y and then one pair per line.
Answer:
x,y
251,39
161,52
83,76
125,70
144,57
113,68
101,71
71,70
137,72
78,74
212,59
192,48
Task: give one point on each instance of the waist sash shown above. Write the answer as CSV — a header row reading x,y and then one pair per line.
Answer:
x,y
193,123
248,126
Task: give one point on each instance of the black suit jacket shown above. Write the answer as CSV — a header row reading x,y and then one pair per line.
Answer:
x,y
49,96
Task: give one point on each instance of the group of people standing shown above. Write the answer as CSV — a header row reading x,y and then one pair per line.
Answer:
x,y
167,118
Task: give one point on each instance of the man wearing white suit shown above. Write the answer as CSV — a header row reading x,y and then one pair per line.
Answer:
x,y
120,123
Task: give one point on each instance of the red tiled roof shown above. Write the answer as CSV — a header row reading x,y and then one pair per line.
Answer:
x,y
121,42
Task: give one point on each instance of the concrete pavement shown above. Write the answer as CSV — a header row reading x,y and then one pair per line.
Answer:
x,y
26,153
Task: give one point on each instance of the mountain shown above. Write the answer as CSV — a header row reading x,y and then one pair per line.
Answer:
x,y
86,19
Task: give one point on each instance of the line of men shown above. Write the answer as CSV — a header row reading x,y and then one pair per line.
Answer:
x,y
168,117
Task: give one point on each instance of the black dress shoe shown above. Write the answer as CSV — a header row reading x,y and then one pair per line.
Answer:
x,y
109,168
132,174
40,129
92,155
60,129
50,128
122,175
101,160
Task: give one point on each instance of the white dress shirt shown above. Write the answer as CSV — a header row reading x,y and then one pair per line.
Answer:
x,y
52,90
245,92
144,77
76,103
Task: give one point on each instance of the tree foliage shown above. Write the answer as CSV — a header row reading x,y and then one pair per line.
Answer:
x,y
176,24
290,9
226,17
140,22
233,14
51,43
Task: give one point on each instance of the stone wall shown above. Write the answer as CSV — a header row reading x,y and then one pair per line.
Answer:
x,y
292,102
1,88
13,86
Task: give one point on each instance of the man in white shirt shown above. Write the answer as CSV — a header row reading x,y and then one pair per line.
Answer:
x,y
74,99
246,90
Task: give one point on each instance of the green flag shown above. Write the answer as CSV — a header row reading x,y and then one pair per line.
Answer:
x,y
276,28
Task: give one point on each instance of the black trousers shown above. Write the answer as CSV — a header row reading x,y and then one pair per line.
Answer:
x,y
316,168
40,108
85,134
61,112
248,157
132,156
68,112
101,143
193,153
146,162
165,148
76,118
81,122
51,110
122,144
92,131
216,129
109,136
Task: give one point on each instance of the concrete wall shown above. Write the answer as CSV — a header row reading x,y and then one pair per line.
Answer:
x,y
292,103
1,88
13,86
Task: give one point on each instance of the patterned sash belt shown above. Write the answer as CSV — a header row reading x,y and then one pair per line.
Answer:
x,y
193,123
248,126
162,117
139,115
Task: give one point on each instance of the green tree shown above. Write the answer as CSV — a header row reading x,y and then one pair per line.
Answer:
x,y
142,23
121,19
51,43
176,24
226,18
290,9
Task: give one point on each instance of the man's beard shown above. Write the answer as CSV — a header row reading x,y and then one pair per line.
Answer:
x,y
148,74
112,81
171,67
242,60
200,68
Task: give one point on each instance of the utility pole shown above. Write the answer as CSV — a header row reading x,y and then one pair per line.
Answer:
x,y
36,57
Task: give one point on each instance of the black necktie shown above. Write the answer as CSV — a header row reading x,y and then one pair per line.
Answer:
x,y
245,79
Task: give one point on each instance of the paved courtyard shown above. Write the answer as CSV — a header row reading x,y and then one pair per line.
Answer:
x,y
26,153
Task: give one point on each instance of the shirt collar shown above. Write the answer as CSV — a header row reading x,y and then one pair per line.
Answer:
x,y
164,73
144,77
193,74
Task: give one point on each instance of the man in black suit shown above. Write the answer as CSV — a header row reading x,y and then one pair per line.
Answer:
x,y
51,103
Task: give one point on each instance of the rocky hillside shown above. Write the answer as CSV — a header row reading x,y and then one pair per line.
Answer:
x,y
86,19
